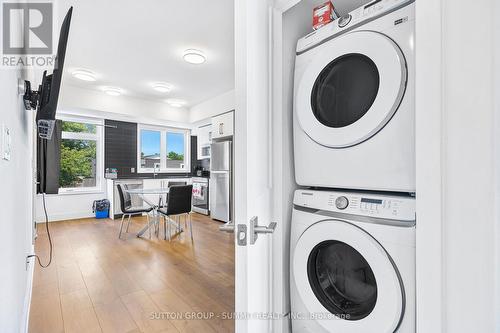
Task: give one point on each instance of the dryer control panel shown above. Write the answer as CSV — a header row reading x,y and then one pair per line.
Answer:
x,y
360,15
391,207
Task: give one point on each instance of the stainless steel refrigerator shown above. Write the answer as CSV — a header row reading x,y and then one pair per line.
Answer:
x,y
220,180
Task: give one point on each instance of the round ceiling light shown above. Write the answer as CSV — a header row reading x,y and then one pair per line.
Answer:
x,y
113,91
84,74
162,87
176,103
195,57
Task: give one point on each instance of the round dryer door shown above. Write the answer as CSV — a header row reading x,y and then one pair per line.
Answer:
x,y
351,88
346,279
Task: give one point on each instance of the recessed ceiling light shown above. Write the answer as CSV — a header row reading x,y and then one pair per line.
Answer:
x,y
113,91
84,74
162,87
195,57
176,103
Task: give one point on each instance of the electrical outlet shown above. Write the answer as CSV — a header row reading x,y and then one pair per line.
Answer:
x,y
6,143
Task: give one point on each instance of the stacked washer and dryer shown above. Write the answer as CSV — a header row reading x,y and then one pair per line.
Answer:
x,y
353,222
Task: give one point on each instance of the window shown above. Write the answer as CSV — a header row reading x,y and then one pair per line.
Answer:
x,y
81,147
162,149
150,149
175,150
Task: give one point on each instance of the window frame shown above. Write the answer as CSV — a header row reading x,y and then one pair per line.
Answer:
x,y
163,148
99,138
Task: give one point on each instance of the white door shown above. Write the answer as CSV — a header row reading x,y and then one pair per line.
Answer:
x,y
348,88
252,171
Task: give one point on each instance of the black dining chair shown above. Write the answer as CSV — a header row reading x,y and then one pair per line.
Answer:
x,y
170,184
179,204
128,209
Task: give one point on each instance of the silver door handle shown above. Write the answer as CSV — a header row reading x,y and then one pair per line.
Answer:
x,y
227,227
256,229
265,230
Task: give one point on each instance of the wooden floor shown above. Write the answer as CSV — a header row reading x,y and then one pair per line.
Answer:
x,y
98,283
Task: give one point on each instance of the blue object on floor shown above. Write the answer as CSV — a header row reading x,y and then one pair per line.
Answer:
x,y
101,208
102,214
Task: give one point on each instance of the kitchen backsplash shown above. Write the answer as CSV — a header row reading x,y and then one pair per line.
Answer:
x,y
120,147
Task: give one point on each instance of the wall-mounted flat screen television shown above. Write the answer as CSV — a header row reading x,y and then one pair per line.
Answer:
x,y
44,101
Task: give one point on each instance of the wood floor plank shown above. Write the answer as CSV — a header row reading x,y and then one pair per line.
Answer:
x,y
70,278
45,311
114,318
145,313
98,282
78,313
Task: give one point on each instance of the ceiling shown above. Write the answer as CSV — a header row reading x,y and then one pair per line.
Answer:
x,y
132,44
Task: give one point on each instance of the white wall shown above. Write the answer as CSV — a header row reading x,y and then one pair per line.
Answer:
x,y
77,98
456,219
67,206
497,162
16,206
212,107
468,169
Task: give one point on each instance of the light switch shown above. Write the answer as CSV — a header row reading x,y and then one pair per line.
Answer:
x,y
6,143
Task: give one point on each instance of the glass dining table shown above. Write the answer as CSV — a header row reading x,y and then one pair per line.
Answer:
x,y
145,194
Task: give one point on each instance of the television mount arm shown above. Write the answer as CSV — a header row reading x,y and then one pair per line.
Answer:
x,y
30,97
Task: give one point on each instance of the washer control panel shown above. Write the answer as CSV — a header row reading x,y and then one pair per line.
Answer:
x,y
370,11
383,206
341,202
344,20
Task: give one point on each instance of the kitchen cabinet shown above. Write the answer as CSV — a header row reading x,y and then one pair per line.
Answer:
x,y
204,141
223,125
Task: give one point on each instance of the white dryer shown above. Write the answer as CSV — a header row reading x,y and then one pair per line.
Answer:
x,y
352,266
354,103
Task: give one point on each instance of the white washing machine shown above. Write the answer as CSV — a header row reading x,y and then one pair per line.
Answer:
x,y
352,266
354,103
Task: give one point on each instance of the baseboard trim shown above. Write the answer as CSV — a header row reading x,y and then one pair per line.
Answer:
x,y
66,216
27,296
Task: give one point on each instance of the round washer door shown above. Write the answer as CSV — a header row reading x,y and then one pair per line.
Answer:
x,y
350,89
346,279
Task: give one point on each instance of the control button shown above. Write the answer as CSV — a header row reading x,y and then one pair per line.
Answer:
x,y
341,203
344,20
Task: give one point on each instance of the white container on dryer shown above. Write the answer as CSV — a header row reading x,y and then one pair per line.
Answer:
x,y
354,101
352,265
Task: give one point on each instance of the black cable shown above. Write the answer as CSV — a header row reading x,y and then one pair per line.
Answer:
x,y
48,234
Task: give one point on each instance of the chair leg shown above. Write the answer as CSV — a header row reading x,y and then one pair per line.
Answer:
x,y
149,226
164,228
121,226
167,220
191,226
128,223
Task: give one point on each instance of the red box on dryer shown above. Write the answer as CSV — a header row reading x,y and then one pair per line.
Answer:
x,y
324,14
